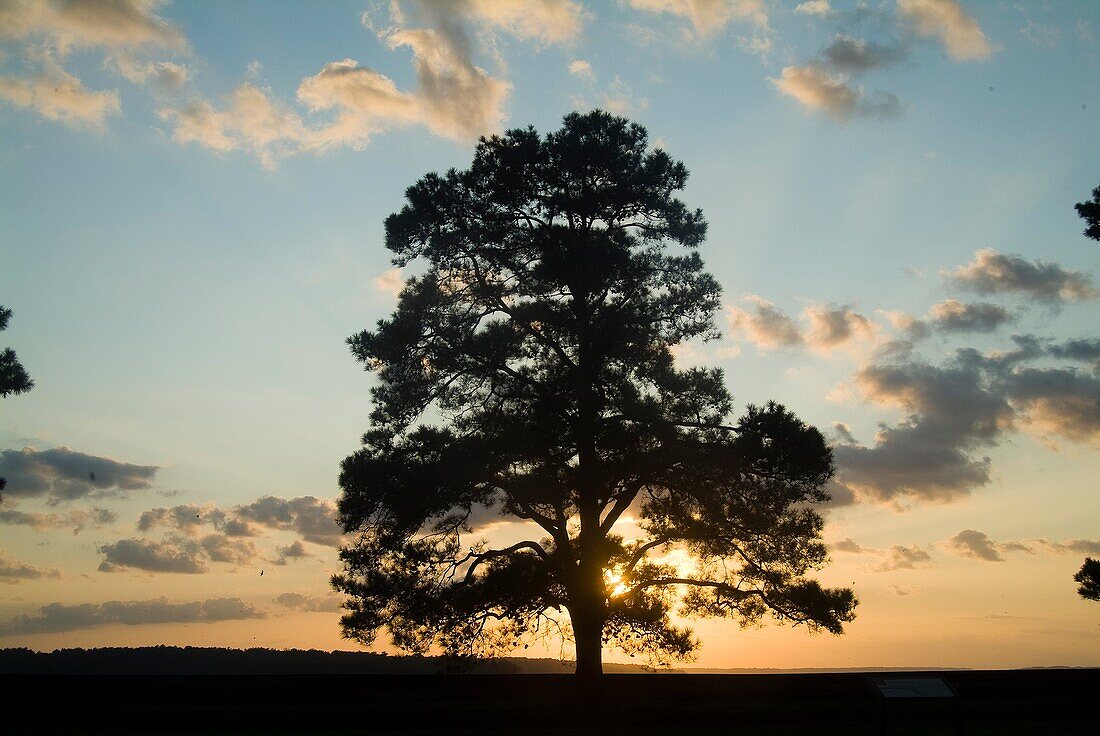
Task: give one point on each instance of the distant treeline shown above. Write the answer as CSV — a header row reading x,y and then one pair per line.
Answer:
x,y
165,660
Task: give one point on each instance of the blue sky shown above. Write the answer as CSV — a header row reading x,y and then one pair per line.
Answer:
x,y
192,226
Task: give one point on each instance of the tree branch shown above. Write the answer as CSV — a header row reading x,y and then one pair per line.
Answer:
x,y
493,553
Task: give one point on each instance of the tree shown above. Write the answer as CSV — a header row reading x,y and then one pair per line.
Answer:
x,y
1089,211
528,372
13,377
1088,579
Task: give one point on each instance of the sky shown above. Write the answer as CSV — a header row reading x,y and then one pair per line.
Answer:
x,y
191,227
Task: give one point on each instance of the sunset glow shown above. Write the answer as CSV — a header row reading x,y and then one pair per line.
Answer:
x,y
192,226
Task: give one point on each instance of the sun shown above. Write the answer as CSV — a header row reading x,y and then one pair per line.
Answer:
x,y
615,581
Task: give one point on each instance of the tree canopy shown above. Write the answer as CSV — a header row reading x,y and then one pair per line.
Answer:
x,y
1088,580
527,375
1089,211
13,376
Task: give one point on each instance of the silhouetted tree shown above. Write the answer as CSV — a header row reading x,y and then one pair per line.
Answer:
x,y
13,377
1089,211
528,372
1088,580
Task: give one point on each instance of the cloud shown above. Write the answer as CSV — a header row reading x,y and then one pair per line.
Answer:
x,y
543,21
996,273
902,590
13,571
951,315
581,68
708,17
187,518
897,557
833,326
847,545
312,518
251,120
816,88
978,545
390,282
951,410
59,617
78,520
191,519
310,604
619,99
183,554
855,56
49,30
946,20
765,325
814,7
974,544
63,474
167,76
912,327
900,557
1086,350
826,83
68,24
453,98
1057,401
180,556
222,548
1039,34
954,409
828,327
364,101
57,95
290,552
1074,546
456,99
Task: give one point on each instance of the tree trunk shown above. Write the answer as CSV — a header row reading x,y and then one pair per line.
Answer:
x,y
588,633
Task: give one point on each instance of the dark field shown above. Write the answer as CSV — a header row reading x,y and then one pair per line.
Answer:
x,y
988,702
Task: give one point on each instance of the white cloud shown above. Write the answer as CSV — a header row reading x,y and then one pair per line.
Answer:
x,y
997,273
111,24
954,27
708,17
620,99
13,571
974,544
832,327
453,98
456,99
77,519
544,21
48,30
250,120
62,474
814,7
55,617
816,88
581,68
57,95
900,557
365,102
390,282
165,75
764,325
952,315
